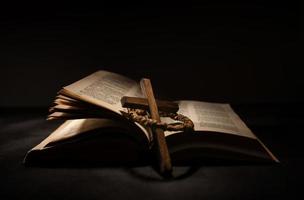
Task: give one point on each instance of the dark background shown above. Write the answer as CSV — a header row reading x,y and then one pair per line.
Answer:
x,y
242,53
228,52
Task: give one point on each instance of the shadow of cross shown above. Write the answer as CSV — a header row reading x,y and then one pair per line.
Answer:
x,y
149,103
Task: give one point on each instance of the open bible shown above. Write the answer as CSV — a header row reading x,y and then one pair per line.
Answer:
x,y
95,130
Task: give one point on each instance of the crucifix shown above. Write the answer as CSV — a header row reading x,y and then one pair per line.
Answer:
x,y
149,103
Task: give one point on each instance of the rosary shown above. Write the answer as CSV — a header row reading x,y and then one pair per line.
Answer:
x,y
137,111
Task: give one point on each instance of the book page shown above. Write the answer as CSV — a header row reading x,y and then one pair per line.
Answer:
x,y
214,117
104,89
71,128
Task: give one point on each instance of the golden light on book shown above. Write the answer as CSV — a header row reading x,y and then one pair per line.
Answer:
x,y
96,131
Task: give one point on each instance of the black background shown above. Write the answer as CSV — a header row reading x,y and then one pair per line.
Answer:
x,y
242,53
227,52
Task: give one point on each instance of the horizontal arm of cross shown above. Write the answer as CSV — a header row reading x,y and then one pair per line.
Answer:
x,y
142,103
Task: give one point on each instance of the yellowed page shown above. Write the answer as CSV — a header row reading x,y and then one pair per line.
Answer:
x,y
104,89
71,128
214,117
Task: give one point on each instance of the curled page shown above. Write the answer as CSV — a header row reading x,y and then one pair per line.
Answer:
x,y
104,89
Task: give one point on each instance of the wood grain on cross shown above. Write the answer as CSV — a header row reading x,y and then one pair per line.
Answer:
x,y
142,103
165,165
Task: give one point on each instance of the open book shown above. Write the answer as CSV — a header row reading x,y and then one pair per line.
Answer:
x,y
95,130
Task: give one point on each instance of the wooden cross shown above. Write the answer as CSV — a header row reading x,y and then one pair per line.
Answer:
x,y
153,105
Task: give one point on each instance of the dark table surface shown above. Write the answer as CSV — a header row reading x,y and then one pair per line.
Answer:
x,y
278,126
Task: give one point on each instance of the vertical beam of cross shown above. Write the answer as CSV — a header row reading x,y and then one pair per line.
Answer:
x,y
165,166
